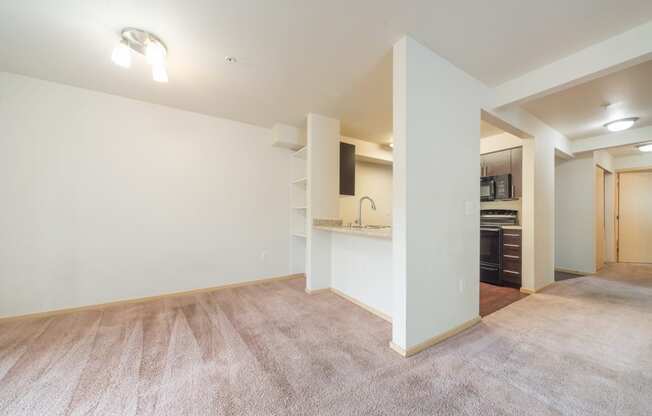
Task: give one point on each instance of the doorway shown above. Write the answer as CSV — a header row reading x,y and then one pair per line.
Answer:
x,y
635,217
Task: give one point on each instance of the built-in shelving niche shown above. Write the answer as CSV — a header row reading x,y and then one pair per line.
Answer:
x,y
299,210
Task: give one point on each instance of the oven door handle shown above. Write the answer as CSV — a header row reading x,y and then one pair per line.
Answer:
x,y
493,230
489,268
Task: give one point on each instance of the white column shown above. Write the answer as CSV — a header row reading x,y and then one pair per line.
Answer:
x,y
528,266
544,213
436,233
323,141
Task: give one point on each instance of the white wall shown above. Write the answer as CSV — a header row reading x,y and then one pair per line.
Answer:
x,y
370,152
436,230
373,180
603,159
575,210
633,162
105,198
499,142
575,214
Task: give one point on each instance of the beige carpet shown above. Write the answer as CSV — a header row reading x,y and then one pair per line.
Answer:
x,y
582,347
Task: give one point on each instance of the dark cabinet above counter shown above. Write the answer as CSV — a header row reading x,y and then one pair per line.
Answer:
x,y
347,169
505,162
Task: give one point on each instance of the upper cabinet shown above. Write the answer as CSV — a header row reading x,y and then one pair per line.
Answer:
x,y
287,136
347,169
505,162
497,163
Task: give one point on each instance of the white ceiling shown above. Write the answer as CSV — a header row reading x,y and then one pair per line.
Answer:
x,y
488,129
331,57
580,111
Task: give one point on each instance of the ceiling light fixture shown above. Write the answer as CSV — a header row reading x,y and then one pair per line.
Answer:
x,y
155,53
645,147
121,55
146,44
621,124
159,73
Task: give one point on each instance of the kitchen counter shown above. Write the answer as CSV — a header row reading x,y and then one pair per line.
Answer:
x,y
512,227
384,233
357,262
337,227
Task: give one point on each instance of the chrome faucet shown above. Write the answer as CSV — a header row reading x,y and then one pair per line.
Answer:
x,y
373,206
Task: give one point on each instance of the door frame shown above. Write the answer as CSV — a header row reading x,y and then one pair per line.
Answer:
x,y
599,170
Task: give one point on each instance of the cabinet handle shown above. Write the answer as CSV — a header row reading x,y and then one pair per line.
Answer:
x,y
511,257
512,235
511,245
509,271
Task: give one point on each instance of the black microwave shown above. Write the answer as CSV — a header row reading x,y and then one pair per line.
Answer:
x,y
496,187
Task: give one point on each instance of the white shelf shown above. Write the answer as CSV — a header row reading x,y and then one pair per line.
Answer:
x,y
301,153
299,209
301,182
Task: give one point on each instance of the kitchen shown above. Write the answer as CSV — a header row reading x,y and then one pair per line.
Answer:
x,y
501,211
347,212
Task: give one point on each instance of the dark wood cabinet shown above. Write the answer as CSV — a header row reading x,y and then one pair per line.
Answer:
x,y
347,169
511,261
504,162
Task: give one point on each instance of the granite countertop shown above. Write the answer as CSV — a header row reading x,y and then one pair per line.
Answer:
x,y
337,227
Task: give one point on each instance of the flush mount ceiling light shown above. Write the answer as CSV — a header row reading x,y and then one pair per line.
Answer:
x,y
621,124
645,147
144,43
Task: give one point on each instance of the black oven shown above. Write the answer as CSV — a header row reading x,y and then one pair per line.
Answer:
x,y
490,254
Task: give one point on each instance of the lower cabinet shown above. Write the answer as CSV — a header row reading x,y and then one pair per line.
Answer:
x,y
511,261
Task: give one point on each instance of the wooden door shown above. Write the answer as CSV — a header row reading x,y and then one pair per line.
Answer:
x,y
599,219
635,217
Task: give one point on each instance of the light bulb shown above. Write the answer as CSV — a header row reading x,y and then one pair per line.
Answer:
x,y
159,73
155,53
122,55
647,147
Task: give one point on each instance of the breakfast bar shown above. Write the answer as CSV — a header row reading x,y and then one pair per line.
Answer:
x,y
360,264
